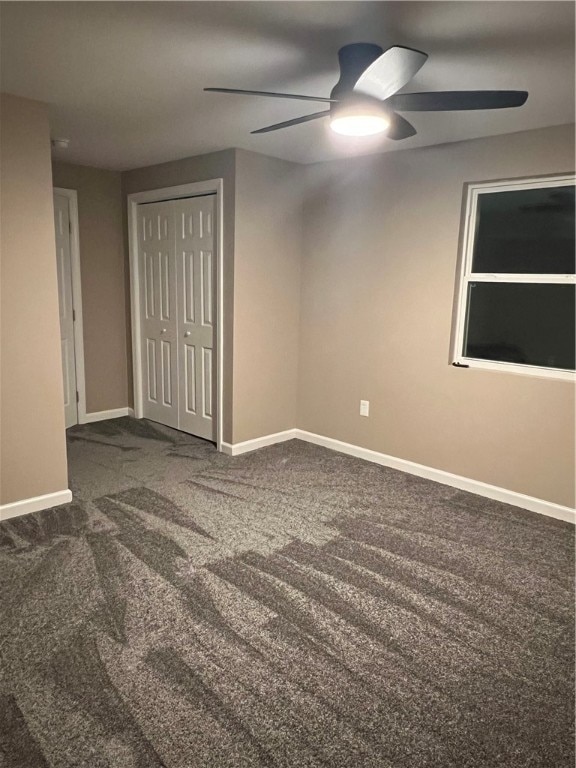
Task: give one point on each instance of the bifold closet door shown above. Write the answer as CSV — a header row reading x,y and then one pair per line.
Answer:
x,y
158,312
196,311
177,313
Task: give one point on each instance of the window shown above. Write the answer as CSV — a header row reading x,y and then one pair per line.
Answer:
x,y
516,307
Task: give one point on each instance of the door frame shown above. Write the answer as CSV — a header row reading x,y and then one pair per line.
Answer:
x,y
72,195
194,189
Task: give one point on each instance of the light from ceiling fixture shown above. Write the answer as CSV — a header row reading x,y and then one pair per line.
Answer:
x,y
360,118
359,125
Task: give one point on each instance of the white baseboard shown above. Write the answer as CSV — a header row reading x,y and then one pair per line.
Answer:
x,y
35,504
236,449
115,413
446,478
504,495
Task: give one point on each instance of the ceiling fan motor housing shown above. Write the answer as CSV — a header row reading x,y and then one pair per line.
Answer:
x,y
354,59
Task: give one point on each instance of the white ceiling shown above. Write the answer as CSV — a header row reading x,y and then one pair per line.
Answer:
x,y
124,80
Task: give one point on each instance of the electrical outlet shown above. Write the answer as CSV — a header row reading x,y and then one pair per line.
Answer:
x,y
364,408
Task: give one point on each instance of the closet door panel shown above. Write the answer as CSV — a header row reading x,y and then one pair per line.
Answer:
x,y
158,312
194,227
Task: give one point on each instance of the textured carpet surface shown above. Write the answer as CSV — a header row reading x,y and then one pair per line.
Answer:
x,y
290,607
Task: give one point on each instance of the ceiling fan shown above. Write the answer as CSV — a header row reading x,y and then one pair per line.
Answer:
x,y
365,100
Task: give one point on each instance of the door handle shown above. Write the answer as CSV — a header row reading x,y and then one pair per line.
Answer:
x,y
163,330
186,333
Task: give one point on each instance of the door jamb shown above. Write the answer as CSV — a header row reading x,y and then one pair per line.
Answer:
x,y
72,196
194,189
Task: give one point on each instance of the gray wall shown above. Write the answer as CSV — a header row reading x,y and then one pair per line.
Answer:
x,y
104,282
380,257
32,443
267,256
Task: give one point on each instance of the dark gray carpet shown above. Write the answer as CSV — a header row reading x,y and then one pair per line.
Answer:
x,y
291,607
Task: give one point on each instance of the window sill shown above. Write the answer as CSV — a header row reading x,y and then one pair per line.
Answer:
x,y
523,370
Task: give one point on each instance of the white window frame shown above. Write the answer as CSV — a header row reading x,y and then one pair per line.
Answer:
x,y
465,276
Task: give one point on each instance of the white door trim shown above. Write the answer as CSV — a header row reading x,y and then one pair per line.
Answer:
x,y
195,189
114,413
72,196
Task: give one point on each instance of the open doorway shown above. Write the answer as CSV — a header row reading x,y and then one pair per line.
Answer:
x,y
70,304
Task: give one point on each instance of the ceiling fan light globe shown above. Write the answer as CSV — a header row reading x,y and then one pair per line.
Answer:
x,y
359,125
359,116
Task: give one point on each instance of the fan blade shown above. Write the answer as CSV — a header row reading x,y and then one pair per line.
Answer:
x,y
270,93
446,101
390,72
399,128
295,121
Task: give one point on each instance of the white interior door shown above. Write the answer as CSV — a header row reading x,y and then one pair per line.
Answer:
x,y
157,262
196,310
177,313
64,265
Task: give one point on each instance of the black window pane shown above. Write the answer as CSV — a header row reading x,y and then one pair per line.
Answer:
x,y
527,231
524,323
